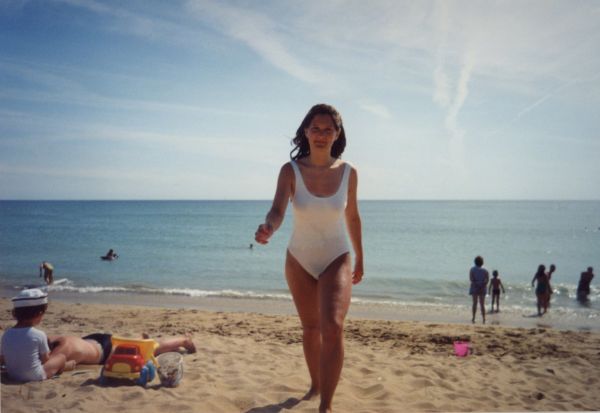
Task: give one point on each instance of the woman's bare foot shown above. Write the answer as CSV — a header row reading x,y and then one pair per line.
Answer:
x,y
323,409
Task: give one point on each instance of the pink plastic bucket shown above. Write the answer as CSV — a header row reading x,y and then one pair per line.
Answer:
x,y
461,348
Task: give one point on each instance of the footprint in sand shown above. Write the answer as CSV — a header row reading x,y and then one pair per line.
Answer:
x,y
51,395
420,383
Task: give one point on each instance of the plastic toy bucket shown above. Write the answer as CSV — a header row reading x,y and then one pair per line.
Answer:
x,y
147,346
170,369
461,348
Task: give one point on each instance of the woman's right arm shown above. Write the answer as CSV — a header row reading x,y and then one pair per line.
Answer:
x,y
280,201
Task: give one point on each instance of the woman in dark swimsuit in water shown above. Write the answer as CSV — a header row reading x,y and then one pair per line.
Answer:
x,y
542,291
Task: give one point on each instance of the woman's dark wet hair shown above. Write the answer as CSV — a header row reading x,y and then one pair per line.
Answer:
x,y
478,261
541,270
300,141
27,313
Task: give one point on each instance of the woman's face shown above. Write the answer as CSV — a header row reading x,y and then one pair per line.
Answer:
x,y
321,132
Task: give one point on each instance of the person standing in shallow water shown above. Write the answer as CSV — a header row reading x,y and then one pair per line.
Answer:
x,y
318,267
542,290
551,271
583,288
479,278
47,271
494,291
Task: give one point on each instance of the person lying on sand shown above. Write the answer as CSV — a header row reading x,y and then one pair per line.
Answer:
x,y
95,348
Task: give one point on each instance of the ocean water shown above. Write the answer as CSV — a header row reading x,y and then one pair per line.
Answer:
x,y
416,252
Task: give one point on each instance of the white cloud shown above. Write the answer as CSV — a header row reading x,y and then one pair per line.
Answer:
x,y
441,93
462,91
146,24
376,109
426,61
57,84
314,41
257,30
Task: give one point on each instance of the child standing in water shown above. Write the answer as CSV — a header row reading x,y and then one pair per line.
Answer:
x,y
494,291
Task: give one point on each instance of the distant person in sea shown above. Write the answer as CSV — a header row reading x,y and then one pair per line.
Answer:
x,y
95,348
542,290
583,288
318,267
551,271
47,271
494,291
479,278
110,255
24,349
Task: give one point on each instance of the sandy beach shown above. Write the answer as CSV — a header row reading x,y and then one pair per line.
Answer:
x,y
253,362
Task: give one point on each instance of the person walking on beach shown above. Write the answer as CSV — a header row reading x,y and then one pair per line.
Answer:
x,y
318,268
494,291
542,289
479,278
583,288
47,271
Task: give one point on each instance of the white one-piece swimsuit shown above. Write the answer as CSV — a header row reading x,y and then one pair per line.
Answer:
x,y
319,234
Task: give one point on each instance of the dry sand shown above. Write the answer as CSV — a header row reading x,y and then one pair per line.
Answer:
x,y
248,362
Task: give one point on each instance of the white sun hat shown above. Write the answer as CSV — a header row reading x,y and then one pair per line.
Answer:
x,y
30,298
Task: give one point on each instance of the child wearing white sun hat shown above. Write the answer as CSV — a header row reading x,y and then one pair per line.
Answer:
x,y
24,349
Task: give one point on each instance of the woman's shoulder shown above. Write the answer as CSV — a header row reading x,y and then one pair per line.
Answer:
x,y
287,170
350,168
287,166
347,164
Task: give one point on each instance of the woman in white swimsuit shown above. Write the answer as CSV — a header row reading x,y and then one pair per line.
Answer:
x,y
318,265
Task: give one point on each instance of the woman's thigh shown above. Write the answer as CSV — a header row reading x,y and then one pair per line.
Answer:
x,y
304,290
335,290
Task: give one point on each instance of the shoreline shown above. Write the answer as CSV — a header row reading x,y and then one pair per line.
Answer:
x,y
445,314
252,362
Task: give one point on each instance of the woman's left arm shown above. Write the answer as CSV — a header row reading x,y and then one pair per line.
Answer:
x,y
354,227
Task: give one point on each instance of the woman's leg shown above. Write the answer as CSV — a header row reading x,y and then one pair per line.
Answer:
x,y
474,307
335,291
304,289
482,306
174,344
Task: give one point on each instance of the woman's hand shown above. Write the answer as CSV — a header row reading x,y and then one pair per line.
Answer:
x,y
357,274
263,233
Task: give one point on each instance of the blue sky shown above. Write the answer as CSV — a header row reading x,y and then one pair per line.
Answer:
x,y
199,99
